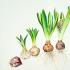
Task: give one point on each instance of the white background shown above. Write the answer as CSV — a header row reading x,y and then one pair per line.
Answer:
x,y
18,15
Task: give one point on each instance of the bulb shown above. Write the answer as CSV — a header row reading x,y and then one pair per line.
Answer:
x,y
25,54
48,47
34,51
15,61
60,45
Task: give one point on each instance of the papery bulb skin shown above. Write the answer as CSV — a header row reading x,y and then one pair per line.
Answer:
x,y
60,45
15,61
48,47
25,54
34,51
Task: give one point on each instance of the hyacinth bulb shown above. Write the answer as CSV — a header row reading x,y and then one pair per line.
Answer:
x,y
34,51
25,54
60,45
15,61
62,25
48,47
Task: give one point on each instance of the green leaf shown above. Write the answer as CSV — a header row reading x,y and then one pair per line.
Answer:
x,y
44,23
66,21
62,16
30,33
39,18
50,22
25,40
56,15
22,41
18,38
33,34
21,38
68,13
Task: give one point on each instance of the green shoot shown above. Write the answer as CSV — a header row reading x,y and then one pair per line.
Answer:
x,y
47,23
22,41
63,23
33,34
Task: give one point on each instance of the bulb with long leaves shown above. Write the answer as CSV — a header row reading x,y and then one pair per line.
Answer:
x,y
48,25
22,41
34,51
62,24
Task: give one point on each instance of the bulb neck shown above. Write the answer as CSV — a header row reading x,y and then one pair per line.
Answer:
x,y
24,49
33,44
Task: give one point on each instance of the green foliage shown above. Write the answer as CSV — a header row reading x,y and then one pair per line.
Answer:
x,y
47,22
22,41
33,34
63,22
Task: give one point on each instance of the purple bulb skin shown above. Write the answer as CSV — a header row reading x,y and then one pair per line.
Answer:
x,y
15,61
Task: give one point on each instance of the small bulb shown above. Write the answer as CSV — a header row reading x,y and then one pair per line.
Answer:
x,y
60,45
34,51
15,61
